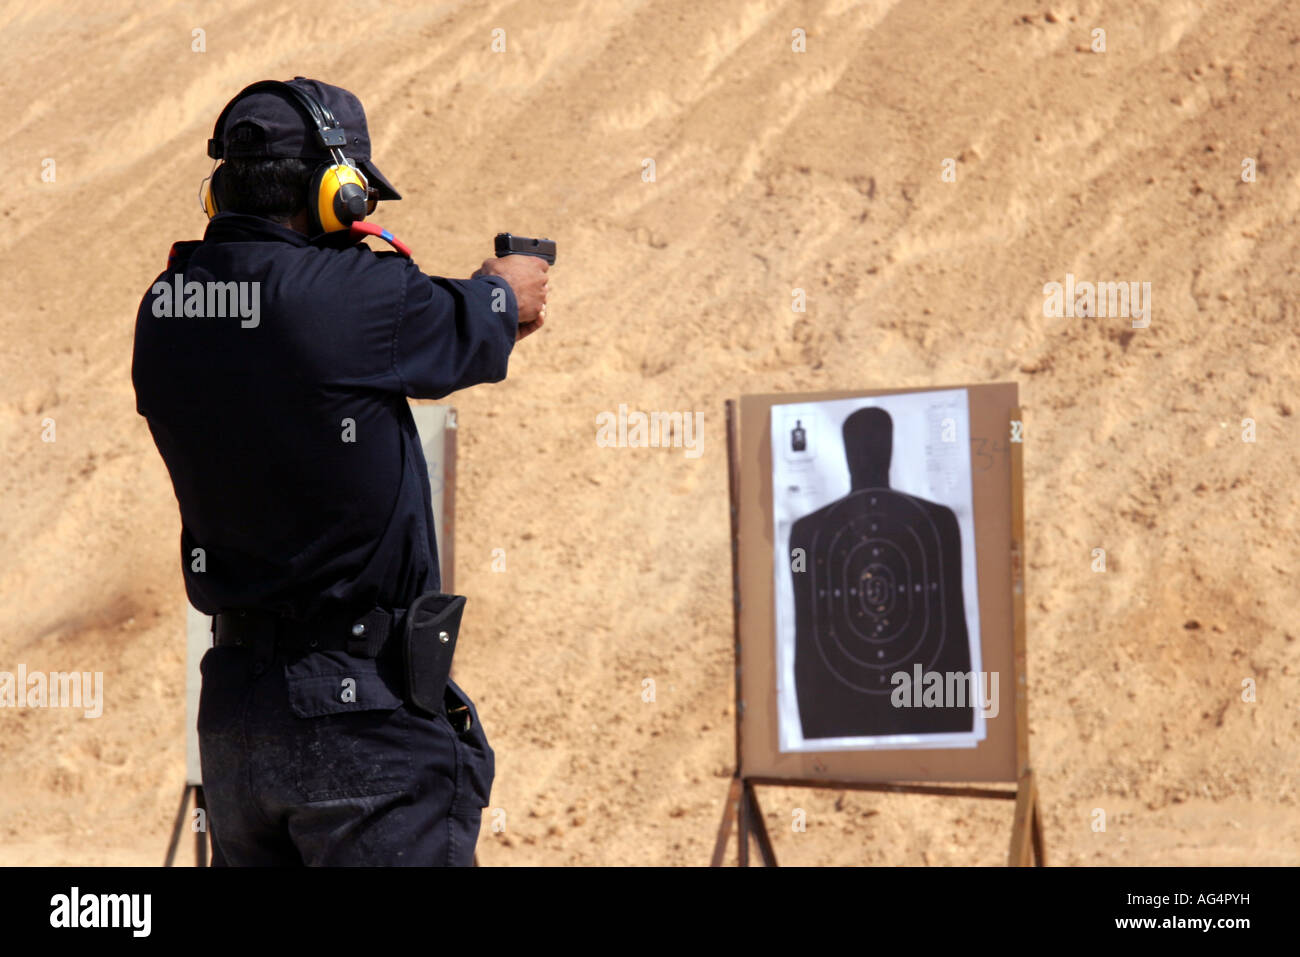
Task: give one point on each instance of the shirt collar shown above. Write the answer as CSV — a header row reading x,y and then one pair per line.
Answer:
x,y
242,228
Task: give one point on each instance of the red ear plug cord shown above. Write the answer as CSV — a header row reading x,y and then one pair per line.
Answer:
x,y
360,230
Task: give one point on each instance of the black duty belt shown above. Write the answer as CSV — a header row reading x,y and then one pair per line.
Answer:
x,y
365,636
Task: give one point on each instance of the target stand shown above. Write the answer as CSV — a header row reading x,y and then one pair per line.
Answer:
x,y
200,834
742,809
885,589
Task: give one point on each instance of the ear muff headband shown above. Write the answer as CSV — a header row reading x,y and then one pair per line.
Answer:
x,y
329,134
338,192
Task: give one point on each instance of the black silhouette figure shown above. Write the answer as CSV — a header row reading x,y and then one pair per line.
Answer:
x,y
798,437
881,593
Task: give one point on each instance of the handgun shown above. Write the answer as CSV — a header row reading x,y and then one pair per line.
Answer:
x,y
511,245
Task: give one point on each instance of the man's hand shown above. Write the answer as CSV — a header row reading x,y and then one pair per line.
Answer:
x,y
528,280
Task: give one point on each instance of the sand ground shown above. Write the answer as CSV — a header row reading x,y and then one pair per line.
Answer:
x,y
774,170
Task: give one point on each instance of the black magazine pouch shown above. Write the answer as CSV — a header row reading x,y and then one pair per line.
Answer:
x,y
432,624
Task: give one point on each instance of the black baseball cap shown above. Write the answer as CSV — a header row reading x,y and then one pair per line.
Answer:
x,y
271,122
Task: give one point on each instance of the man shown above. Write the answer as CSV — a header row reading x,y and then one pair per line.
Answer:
x,y
273,361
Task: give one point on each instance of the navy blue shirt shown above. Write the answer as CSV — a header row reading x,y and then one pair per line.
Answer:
x,y
281,412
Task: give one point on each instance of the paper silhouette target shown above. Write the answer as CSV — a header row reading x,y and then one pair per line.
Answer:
x,y
874,582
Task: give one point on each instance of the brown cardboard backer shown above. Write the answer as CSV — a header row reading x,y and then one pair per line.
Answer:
x,y
993,759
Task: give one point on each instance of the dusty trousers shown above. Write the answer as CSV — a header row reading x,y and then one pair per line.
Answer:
x,y
317,760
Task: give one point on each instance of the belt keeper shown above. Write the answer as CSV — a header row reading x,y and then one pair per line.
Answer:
x,y
368,634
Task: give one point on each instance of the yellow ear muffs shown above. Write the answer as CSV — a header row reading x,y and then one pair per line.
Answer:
x,y
208,193
337,198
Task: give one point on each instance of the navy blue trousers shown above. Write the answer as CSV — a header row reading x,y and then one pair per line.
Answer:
x,y
317,761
